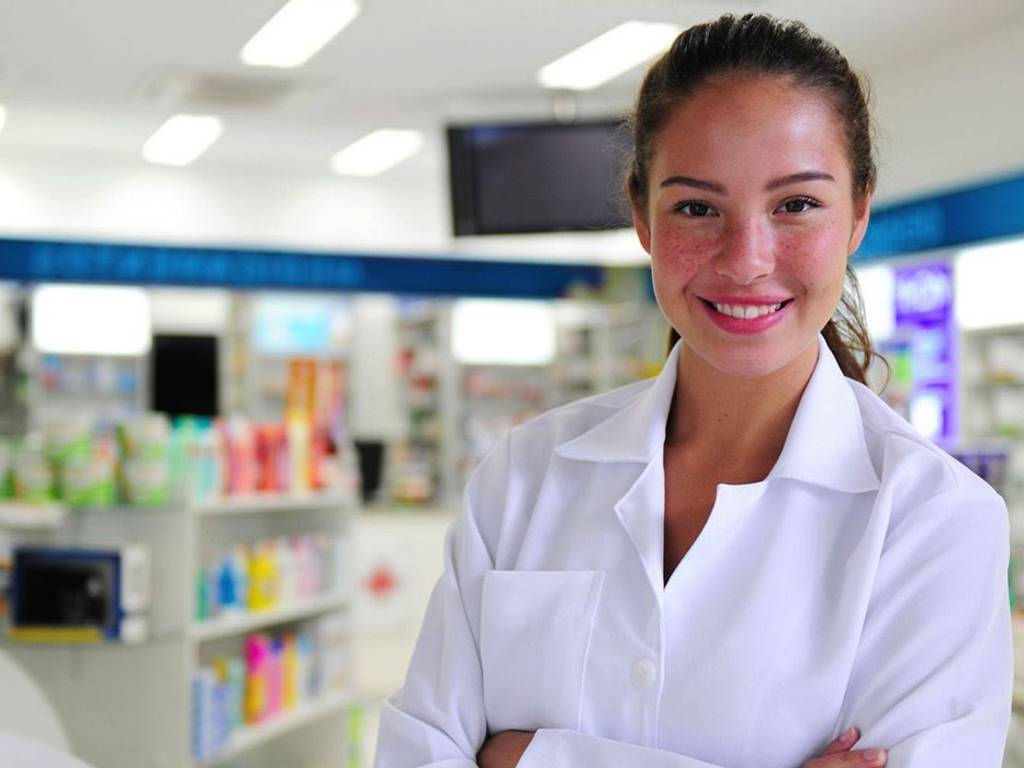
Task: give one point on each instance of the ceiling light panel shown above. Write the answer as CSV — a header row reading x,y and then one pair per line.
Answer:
x,y
182,139
609,55
377,152
297,31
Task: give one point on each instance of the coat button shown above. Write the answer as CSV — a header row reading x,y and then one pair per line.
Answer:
x,y
643,673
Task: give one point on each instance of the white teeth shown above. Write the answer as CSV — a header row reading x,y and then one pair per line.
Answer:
x,y
748,311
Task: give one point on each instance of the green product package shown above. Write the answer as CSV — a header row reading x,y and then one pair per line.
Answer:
x,y
88,482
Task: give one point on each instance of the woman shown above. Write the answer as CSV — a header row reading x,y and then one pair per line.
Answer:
x,y
734,563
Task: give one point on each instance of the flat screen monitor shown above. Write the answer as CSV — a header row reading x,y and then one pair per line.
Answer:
x,y
538,177
184,375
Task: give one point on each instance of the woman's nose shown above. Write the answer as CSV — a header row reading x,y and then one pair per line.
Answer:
x,y
747,252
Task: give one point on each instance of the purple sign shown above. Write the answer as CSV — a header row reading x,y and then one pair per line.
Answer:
x,y
924,318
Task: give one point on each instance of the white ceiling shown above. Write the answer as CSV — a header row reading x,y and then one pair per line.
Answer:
x,y
98,76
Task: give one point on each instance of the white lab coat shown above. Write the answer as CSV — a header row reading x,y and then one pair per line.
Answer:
x,y
863,582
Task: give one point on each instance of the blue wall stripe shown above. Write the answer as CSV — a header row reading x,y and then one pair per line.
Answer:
x,y
958,217
68,261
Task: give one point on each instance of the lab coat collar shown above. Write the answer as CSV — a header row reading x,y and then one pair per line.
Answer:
x,y
825,445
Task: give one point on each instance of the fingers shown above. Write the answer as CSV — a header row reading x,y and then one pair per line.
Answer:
x,y
862,758
843,742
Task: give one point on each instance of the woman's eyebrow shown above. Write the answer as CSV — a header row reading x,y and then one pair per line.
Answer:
x,y
795,178
719,189
689,181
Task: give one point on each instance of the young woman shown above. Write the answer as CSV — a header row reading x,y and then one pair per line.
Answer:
x,y
749,561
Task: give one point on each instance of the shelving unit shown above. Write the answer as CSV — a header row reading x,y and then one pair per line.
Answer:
x,y
22,516
213,629
416,475
256,736
130,706
105,388
268,503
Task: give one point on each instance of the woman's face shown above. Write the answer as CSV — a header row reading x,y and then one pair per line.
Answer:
x,y
749,222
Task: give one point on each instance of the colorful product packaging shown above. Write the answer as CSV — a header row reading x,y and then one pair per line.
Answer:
x,y
257,656
90,480
32,476
195,460
263,577
145,473
240,449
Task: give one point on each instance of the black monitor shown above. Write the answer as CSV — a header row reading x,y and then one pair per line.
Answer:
x,y
184,376
518,178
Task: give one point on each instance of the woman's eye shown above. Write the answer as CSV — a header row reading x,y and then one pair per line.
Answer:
x,y
693,208
798,205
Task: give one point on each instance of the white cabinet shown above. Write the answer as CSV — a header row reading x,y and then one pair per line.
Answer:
x,y
130,706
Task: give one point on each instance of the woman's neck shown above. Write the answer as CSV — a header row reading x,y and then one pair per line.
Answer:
x,y
736,425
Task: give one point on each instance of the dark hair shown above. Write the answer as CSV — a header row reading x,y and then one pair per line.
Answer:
x,y
760,44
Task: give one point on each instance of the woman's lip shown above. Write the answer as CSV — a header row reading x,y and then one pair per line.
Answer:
x,y
750,301
744,326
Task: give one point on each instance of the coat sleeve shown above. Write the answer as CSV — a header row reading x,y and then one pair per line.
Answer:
x,y
933,677
556,748
438,719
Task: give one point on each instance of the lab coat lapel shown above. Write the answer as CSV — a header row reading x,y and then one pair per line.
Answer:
x,y
826,444
641,510
634,430
635,433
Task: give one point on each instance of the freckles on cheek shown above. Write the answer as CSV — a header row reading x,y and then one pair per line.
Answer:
x,y
813,258
682,260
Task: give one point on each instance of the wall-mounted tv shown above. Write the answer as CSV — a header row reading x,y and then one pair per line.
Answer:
x,y
517,178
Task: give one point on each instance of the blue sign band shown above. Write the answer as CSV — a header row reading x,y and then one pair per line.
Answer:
x,y
67,261
967,215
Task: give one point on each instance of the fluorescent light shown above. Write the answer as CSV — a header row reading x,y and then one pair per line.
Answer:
x,y
987,284
3,116
297,31
90,320
377,152
182,139
878,289
503,332
608,56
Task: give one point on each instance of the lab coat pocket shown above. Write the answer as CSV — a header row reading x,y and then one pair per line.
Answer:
x,y
535,629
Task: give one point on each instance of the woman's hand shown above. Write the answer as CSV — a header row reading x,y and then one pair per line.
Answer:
x,y
504,749
838,754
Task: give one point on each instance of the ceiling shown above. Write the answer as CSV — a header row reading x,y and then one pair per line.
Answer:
x,y
97,77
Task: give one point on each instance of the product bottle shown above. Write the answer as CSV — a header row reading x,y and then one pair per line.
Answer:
x,y
290,680
287,578
257,655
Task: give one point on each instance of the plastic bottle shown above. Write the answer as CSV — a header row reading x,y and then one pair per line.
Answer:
x,y
257,656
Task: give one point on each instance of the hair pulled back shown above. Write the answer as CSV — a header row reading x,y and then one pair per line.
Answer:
x,y
759,44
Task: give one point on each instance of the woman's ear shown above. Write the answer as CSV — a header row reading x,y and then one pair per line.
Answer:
x,y
643,229
862,213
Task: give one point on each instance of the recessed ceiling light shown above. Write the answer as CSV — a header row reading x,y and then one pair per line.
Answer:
x,y
377,152
182,139
297,31
609,55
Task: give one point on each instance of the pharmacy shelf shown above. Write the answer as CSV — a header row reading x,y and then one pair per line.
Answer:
x,y
213,629
27,516
253,736
264,503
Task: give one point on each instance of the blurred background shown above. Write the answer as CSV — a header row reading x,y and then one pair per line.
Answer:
x,y
274,277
